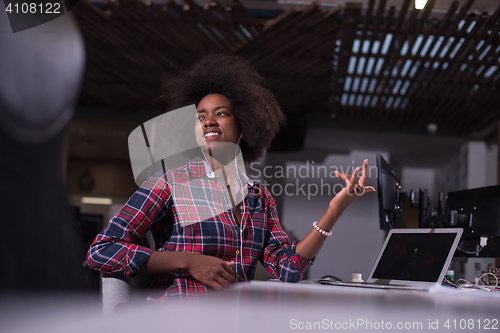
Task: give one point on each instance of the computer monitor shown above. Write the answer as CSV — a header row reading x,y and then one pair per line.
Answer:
x,y
389,200
477,211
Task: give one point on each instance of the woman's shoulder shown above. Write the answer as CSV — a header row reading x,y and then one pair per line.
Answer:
x,y
159,180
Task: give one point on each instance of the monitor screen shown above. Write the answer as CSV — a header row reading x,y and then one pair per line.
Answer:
x,y
414,257
388,195
484,205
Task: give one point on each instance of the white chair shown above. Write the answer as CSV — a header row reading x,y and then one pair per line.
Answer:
x,y
117,289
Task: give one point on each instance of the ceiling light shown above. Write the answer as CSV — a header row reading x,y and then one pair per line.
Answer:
x,y
432,128
97,201
420,4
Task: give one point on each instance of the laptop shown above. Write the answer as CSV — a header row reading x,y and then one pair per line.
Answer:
x,y
414,259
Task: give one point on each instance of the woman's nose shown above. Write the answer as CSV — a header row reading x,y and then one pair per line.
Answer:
x,y
209,121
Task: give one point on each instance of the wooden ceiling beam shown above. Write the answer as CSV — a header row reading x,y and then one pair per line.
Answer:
x,y
349,26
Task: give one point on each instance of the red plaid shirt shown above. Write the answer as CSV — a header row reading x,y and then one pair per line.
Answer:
x,y
193,218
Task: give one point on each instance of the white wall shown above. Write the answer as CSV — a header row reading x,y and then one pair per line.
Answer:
x,y
492,165
476,164
415,178
480,160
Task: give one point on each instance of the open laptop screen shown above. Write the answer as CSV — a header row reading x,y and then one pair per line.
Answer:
x,y
414,256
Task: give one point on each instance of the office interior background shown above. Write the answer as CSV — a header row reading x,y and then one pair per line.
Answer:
x,y
419,86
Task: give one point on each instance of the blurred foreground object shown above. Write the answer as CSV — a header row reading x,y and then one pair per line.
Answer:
x,y
42,69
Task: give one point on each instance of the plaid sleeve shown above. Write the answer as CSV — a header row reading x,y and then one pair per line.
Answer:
x,y
113,250
279,257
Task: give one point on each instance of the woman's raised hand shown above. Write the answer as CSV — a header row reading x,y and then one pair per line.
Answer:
x,y
354,188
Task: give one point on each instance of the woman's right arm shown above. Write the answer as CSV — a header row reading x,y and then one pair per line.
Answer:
x,y
113,250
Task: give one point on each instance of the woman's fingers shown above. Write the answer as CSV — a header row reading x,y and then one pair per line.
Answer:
x,y
354,177
222,282
228,272
355,186
223,279
364,173
211,271
229,278
351,182
343,176
369,189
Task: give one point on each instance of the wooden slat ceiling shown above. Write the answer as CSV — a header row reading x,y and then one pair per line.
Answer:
x,y
391,67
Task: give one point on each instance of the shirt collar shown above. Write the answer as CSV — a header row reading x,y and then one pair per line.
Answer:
x,y
199,168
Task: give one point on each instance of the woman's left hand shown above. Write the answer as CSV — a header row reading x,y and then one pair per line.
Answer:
x,y
354,188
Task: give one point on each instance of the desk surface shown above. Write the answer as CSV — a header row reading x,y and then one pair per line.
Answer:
x,y
269,307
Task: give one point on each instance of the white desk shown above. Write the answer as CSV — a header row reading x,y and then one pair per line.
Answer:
x,y
267,307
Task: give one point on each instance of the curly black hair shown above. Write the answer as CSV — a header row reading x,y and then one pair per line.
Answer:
x,y
257,110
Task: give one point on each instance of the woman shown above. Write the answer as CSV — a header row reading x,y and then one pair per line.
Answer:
x,y
198,251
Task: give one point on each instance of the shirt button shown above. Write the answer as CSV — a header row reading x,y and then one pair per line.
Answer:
x,y
237,275
237,251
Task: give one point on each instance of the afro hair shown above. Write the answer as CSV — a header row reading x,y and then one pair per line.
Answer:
x,y
257,110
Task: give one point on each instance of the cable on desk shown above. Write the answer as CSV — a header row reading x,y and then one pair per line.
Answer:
x,y
468,284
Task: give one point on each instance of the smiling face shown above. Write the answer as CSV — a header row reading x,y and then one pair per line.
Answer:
x,y
217,122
